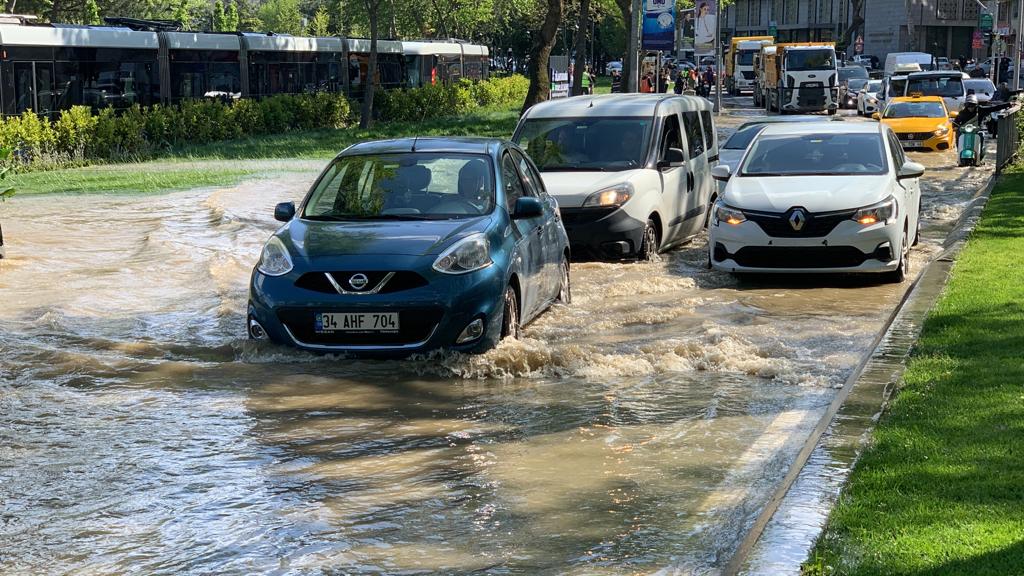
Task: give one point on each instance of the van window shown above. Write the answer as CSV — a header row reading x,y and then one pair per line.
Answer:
x,y
694,138
671,136
606,144
709,129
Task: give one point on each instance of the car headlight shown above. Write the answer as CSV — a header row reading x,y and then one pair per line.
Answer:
x,y
728,215
610,197
275,259
469,254
872,100
881,212
942,130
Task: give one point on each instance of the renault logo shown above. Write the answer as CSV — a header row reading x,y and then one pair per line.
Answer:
x,y
797,219
358,281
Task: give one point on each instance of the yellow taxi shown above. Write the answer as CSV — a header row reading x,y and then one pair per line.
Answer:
x,y
920,122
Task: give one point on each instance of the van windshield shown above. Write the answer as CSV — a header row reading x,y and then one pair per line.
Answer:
x,y
948,87
586,144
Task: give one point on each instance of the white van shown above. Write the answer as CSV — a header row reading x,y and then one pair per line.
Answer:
x,y
893,60
947,84
631,172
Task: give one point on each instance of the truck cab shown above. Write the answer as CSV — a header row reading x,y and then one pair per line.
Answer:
x,y
804,79
739,67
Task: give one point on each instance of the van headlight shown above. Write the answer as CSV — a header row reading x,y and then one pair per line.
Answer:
x,y
881,212
469,254
275,259
610,197
728,215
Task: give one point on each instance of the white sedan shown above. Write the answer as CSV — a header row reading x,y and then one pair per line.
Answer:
x,y
818,197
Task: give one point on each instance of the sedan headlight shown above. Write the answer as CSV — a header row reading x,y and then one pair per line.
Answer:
x,y
728,215
610,197
881,212
469,254
942,130
872,100
275,259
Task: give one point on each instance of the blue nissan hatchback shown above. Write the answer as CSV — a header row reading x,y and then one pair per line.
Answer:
x,y
404,246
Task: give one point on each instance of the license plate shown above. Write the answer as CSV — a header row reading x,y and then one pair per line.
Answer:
x,y
913,143
356,322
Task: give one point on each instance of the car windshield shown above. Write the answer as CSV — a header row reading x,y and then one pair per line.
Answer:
x,y
914,110
856,84
852,72
404,186
741,138
810,59
815,155
983,85
586,144
896,86
746,57
949,87
873,86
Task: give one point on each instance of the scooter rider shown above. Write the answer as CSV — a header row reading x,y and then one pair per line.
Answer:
x,y
968,114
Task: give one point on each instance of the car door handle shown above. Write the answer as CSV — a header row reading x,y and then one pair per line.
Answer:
x,y
539,230
689,181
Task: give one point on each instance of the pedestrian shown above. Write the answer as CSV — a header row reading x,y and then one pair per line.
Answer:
x,y
647,83
962,60
709,81
663,82
616,81
680,83
585,81
1002,92
1004,70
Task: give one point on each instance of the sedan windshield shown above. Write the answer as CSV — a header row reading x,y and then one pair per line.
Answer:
x,y
405,186
949,87
856,84
873,86
852,72
914,110
815,155
586,144
980,85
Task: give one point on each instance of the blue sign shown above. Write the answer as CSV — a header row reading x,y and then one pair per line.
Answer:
x,y
659,32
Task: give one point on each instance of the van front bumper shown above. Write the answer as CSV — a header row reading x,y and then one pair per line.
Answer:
x,y
602,233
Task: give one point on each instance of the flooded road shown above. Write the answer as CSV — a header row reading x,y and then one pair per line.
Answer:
x,y
639,430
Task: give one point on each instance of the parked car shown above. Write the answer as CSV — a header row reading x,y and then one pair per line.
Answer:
x,y
403,246
982,88
733,149
631,172
867,97
920,122
818,197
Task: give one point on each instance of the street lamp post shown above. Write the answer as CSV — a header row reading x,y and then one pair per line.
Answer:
x,y
1018,47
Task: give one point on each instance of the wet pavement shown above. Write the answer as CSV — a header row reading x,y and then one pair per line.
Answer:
x,y
641,429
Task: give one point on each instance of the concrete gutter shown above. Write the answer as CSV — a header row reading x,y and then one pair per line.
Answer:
x,y
847,423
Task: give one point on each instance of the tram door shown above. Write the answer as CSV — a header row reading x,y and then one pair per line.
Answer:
x,y
33,87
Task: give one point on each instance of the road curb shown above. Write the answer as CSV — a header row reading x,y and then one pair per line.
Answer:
x,y
849,420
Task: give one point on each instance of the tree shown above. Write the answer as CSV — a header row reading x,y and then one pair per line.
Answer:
x,y
181,14
219,17
321,22
231,18
373,13
91,13
581,47
282,16
540,52
628,60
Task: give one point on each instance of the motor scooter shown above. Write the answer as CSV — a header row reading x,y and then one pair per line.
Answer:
x,y
970,145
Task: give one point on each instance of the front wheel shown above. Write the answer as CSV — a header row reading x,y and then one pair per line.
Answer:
x,y
649,243
917,232
903,269
510,315
565,288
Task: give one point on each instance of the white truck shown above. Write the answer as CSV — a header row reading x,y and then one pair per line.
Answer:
x,y
739,67
803,77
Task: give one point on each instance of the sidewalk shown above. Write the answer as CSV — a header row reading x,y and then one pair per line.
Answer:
x,y
941,490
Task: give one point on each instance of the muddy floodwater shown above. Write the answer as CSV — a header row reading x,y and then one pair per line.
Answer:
x,y
640,429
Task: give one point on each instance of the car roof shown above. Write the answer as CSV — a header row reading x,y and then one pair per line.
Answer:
x,y
938,74
461,144
799,128
917,99
606,105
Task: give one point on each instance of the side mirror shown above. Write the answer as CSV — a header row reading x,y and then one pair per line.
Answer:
x,y
527,207
674,158
722,172
953,113
876,116
284,211
910,170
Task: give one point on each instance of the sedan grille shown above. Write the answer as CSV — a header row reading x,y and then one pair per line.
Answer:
x,y
914,135
800,257
416,325
376,282
815,226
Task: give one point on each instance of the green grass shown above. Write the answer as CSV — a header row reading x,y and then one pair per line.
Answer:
x,y
941,490
218,164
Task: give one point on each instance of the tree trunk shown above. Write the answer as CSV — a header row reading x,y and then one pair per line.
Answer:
x,y
366,117
911,37
581,48
856,21
11,4
544,41
626,7
392,25
441,21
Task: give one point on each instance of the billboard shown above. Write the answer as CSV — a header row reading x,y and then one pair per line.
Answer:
x,y
687,28
659,31
705,32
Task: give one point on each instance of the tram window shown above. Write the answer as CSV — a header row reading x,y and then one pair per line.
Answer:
x,y
24,91
44,87
412,70
223,79
105,84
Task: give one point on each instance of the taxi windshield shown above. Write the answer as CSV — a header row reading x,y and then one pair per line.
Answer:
x,y
914,110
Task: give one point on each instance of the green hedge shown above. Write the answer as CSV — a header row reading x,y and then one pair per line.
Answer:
x,y
78,136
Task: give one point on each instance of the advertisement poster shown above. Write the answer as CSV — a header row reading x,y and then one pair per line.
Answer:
x,y
559,67
705,33
687,29
659,32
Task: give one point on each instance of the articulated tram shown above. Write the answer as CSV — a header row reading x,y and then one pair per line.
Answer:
x,y
54,67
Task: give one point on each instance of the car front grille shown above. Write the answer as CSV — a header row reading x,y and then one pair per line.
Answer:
x,y
914,135
800,257
415,326
815,226
376,282
577,216
748,75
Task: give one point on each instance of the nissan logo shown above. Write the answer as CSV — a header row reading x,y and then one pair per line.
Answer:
x,y
797,219
358,281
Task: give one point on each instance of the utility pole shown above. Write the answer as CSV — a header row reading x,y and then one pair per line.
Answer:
x,y
634,45
1018,46
718,58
